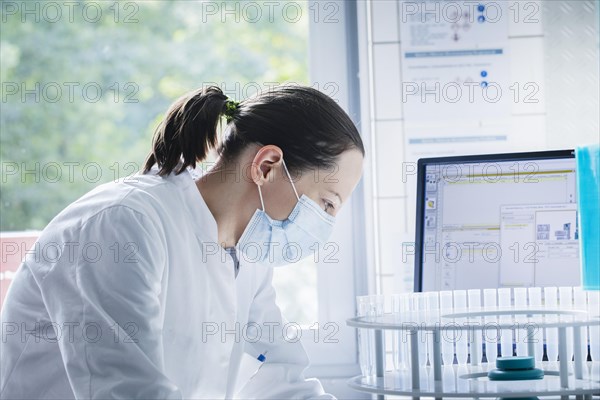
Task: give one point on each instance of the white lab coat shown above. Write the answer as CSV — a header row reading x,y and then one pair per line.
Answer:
x,y
127,295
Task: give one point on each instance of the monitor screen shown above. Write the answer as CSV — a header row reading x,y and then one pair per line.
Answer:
x,y
504,220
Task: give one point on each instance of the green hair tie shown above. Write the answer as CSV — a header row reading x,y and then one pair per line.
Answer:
x,y
231,107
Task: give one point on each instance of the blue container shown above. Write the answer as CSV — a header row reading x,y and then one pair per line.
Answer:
x,y
588,199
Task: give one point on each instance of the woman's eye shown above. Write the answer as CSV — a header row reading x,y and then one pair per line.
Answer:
x,y
328,205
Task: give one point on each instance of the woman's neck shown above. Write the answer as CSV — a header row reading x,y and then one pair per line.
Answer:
x,y
231,198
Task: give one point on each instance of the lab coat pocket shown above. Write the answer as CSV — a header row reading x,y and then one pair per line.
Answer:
x,y
249,366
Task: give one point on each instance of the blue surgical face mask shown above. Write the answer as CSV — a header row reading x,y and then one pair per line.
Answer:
x,y
274,243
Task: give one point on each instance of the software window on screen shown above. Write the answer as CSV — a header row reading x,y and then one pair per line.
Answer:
x,y
500,224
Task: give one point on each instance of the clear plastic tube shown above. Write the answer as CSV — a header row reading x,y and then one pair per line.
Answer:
x,y
432,301
462,341
377,305
580,303
475,336
565,297
420,306
535,300
409,309
447,334
474,298
490,333
366,350
399,346
506,341
377,310
396,363
521,337
551,302
593,307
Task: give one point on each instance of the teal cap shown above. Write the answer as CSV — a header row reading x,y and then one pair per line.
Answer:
x,y
515,363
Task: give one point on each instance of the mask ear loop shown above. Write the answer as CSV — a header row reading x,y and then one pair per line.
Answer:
x,y
262,203
290,178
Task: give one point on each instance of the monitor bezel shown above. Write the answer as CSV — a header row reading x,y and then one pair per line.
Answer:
x,y
422,164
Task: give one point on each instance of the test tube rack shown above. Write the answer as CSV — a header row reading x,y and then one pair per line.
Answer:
x,y
424,322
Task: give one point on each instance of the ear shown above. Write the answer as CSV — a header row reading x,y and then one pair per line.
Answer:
x,y
265,160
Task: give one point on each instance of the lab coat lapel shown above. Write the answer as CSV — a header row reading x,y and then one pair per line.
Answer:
x,y
245,284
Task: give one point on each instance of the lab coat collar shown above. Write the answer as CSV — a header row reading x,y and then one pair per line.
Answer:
x,y
204,223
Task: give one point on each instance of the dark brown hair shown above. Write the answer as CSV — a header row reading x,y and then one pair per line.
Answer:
x,y
311,129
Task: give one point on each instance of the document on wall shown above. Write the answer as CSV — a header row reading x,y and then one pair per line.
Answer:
x,y
455,76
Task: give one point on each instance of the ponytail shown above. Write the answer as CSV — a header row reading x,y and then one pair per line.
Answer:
x,y
189,131
309,127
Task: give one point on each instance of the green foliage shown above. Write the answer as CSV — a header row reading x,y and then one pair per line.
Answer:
x,y
141,55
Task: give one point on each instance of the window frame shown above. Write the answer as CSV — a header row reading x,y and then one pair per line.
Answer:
x,y
339,283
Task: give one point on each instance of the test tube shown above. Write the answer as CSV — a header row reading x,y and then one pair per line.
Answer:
x,y
535,300
388,334
366,350
490,332
593,308
565,297
377,304
408,306
420,305
506,341
394,334
474,297
475,348
551,302
447,333
398,345
462,340
377,310
433,316
521,337
580,303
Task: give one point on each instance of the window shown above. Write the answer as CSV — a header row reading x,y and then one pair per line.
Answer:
x,y
84,84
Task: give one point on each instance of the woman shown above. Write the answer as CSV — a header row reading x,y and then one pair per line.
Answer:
x,y
155,286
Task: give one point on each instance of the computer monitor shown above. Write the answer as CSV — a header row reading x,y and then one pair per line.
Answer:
x,y
498,220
